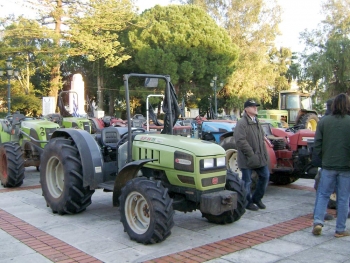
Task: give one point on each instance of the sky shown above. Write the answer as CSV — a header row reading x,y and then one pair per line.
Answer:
x,y
297,16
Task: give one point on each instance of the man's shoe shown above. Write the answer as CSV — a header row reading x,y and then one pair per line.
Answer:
x,y
252,207
317,230
328,217
260,204
342,234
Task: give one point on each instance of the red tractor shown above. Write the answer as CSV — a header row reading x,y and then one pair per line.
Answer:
x,y
289,152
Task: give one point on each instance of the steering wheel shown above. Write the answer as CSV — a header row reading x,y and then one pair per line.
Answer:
x,y
295,128
124,136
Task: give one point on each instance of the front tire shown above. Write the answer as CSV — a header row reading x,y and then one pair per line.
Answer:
x,y
309,120
11,165
146,211
233,183
61,177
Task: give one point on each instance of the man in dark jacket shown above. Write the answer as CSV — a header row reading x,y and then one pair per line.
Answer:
x,y
252,154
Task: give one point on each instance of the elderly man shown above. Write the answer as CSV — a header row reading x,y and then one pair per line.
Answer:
x,y
252,154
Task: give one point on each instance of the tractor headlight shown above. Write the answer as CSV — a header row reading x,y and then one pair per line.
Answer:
x,y
221,161
208,163
213,164
183,161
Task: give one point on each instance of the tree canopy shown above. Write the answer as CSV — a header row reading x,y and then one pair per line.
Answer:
x,y
184,42
327,54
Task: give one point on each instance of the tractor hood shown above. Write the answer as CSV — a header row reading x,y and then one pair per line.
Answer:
x,y
197,147
35,124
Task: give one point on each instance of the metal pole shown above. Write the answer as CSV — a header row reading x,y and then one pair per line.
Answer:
x,y
9,95
216,103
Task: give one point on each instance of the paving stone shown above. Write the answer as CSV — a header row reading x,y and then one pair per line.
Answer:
x,y
126,255
280,247
318,255
251,256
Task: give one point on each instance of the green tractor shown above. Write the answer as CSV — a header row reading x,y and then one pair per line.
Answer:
x,y
66,119
150,174
22,140
294,109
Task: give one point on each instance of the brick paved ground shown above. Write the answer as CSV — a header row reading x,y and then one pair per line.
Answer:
x,y
58,251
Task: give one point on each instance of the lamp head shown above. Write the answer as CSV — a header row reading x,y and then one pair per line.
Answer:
x,y
16,72
9,62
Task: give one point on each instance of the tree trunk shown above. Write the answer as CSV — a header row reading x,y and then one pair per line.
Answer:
x,y
111,103
55,79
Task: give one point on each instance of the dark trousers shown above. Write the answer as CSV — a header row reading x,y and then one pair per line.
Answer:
x,y
264,175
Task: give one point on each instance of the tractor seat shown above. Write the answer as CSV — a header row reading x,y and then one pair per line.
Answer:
x,y
110,137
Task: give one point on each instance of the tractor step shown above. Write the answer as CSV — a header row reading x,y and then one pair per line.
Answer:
x,y
107,186
288,170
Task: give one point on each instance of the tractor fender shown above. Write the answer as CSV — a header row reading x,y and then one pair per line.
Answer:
x,y
225,135
128,172
90,154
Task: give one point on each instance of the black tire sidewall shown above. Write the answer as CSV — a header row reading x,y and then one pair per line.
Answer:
x,y
15,164
73,190
158,214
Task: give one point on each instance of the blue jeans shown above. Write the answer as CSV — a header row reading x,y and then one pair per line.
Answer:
x,y
264,175
328,181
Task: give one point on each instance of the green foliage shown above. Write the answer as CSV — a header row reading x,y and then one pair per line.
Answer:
x,y
95,33
28,105
327,56
253,26
185,43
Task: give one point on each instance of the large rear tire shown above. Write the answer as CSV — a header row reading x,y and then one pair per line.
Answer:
x,y
309,120
233,183
11,164
146,210
61,177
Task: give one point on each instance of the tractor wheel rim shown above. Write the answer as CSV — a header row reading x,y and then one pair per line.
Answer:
x,y
55,177
311,125
232,164
137,212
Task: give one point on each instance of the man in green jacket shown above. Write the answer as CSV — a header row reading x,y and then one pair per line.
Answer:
x,y
252,154
332,145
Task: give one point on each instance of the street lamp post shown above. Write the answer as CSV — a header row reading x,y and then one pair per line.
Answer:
x,y
9,73
214,86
